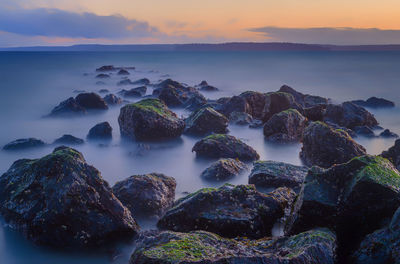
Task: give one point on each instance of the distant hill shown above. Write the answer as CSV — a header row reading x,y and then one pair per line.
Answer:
x,y
234,46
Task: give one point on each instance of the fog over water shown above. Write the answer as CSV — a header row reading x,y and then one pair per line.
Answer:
x,y
32,84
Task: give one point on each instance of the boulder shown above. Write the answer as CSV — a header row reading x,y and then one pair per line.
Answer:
x,y
67,107
112,99
255,102
276,102
285,126
125,81
106,68
62,202
24,143
274,174
143,81
204,86
374,102
146,195
304,100
224,146
68,140
324,146
234,104
205,121
102,76
240,118
315,113
364,131
104,91
100,131
229,211
223,169
388,134
91,101
134,92
311,247
123,72
393,154
149,119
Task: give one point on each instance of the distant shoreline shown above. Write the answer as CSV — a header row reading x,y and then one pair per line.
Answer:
x,y
233,46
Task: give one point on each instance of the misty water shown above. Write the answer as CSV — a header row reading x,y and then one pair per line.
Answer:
x,y
31,84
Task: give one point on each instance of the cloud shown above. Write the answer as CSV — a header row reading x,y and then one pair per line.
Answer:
x,y
328,35
60,23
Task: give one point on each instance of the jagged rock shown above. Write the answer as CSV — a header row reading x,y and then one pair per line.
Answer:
x,y
91,101
388,134
102,130
112,99
393,154
229,211
68,140
223,169
324,146
224,146
146,195
149,119
62,202
24,143
204,86
285,126
374,102
205,121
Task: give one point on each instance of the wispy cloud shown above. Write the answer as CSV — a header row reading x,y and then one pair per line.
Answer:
x,y
329,35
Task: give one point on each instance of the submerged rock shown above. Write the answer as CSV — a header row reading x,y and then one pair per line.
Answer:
x,y
146,195
393,154
223,169
104,91
312,247
67,107
102,76
112,99
204,86
68,140
224,146
149,119
285,126
388,134
123,72
229,211
134,92
364,131
205,121
91,101
100,131
374,102
275,174
106,68
240,118
24,143
62,202
324,146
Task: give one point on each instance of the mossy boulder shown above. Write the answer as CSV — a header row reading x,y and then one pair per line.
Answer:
x,y
146,195
276,102
206,121
312,247
229,211
393,154
24,143
62,202
273,174
224,146
325,146
223,169
149,119
285,126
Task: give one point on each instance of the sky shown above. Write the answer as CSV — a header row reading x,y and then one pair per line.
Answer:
x,y
68,22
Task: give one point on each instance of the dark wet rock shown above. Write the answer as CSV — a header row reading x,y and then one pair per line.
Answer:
x,y
62,202
223,169
348,198
205,121
315,113
91,101
125,82
233,104
305,100
277,102
240,118
337,127
204,86
311,247
275,174
285,126
104,91
364,131
374,102
143,81
224,146
134,92
102,76
255,103
123,72
100,131
195,102
229,211
106,68
67,107
388,134
146,195
382,246
149,119
314,100
24,143
349,115
68,140
324,146
393,154
112,99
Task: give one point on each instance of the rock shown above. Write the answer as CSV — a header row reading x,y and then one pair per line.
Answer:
x,y
205,121
240,118
68,140
304,100
312,247
285,126
223,169
229,211
123,72
313,100
195,102
256,123
134,92
315,113
374,102
364,131
276,174
204,86
143,81
233,104
146,195
102,76
112,99
348,198
24,143
67,107
106,68
125,82
149,119
349,115
382,246
393,154
388,134
104,91
97,83
277,102
324,146
224,146
91,101
62,202
255,102
101,130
